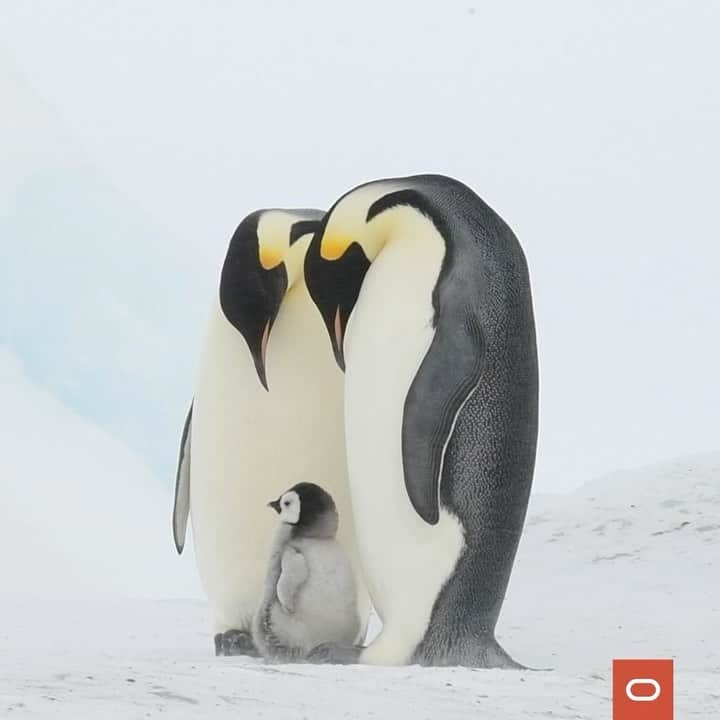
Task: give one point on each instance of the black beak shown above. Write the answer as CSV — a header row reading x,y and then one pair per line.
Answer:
x,y
250,295
260,368
259,352
275,505
337,338
334,286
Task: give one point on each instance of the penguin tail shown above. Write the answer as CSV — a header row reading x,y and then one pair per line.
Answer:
x,y
496,656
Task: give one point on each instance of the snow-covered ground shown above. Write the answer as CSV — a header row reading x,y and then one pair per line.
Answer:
x,y
627,566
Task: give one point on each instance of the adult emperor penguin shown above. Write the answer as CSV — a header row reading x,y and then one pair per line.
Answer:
x,y
425,293
242,441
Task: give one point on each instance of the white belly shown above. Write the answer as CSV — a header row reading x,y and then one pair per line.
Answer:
x,y
405,560
249,445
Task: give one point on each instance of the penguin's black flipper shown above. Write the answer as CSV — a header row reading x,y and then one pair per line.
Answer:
x,y
448,375
293,575
181,507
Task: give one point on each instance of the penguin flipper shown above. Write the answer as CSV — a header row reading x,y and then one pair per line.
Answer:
x,y
293,574
181,507
447,377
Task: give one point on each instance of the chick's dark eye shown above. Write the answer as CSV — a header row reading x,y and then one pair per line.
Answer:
x,y
286,503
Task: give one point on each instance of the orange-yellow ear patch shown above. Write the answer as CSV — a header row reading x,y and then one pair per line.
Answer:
x,y
333,246
270,257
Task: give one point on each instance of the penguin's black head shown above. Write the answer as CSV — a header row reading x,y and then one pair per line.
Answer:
x,y
348,240
309,509
334,283
254,276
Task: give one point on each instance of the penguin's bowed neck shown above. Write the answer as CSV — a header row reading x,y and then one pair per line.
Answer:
x,y
425,294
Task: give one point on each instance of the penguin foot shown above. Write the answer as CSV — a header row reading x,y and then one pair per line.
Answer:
x,y
334,654
485,654
493,655
235,642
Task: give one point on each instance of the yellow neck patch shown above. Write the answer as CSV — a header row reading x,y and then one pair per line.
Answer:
x,y
333,246
270,257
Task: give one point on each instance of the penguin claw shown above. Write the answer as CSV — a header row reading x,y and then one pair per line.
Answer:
x,y
334,654
494,656
235,642
488,654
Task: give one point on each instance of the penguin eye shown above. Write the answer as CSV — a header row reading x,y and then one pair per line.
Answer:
x,y
286,503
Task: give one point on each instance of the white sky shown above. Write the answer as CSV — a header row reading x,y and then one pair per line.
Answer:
x,y
592,128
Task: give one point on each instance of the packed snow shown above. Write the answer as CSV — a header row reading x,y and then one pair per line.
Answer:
x,y
99,618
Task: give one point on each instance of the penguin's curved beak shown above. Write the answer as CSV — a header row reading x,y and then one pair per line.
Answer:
x,y
260,355
334,286
258,351
275,505
250,300
337,338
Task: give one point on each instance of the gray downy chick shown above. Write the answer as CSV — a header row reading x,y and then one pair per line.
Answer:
x,y
310,596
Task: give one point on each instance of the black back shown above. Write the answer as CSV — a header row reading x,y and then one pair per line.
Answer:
x,y
470,417
477,391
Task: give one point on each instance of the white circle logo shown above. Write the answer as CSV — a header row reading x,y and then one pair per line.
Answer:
x,y
642,698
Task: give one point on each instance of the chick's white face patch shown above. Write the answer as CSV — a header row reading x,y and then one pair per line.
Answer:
x,y
290,508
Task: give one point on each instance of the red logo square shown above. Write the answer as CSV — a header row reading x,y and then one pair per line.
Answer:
x,y
642,690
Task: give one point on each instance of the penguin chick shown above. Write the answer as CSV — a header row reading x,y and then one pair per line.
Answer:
x,y
310,596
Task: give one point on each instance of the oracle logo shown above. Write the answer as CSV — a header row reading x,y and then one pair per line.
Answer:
x,y
642,689
642,698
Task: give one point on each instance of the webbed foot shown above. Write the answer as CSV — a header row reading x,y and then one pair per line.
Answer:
x,y
494,656
334,654
235,642
484,654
